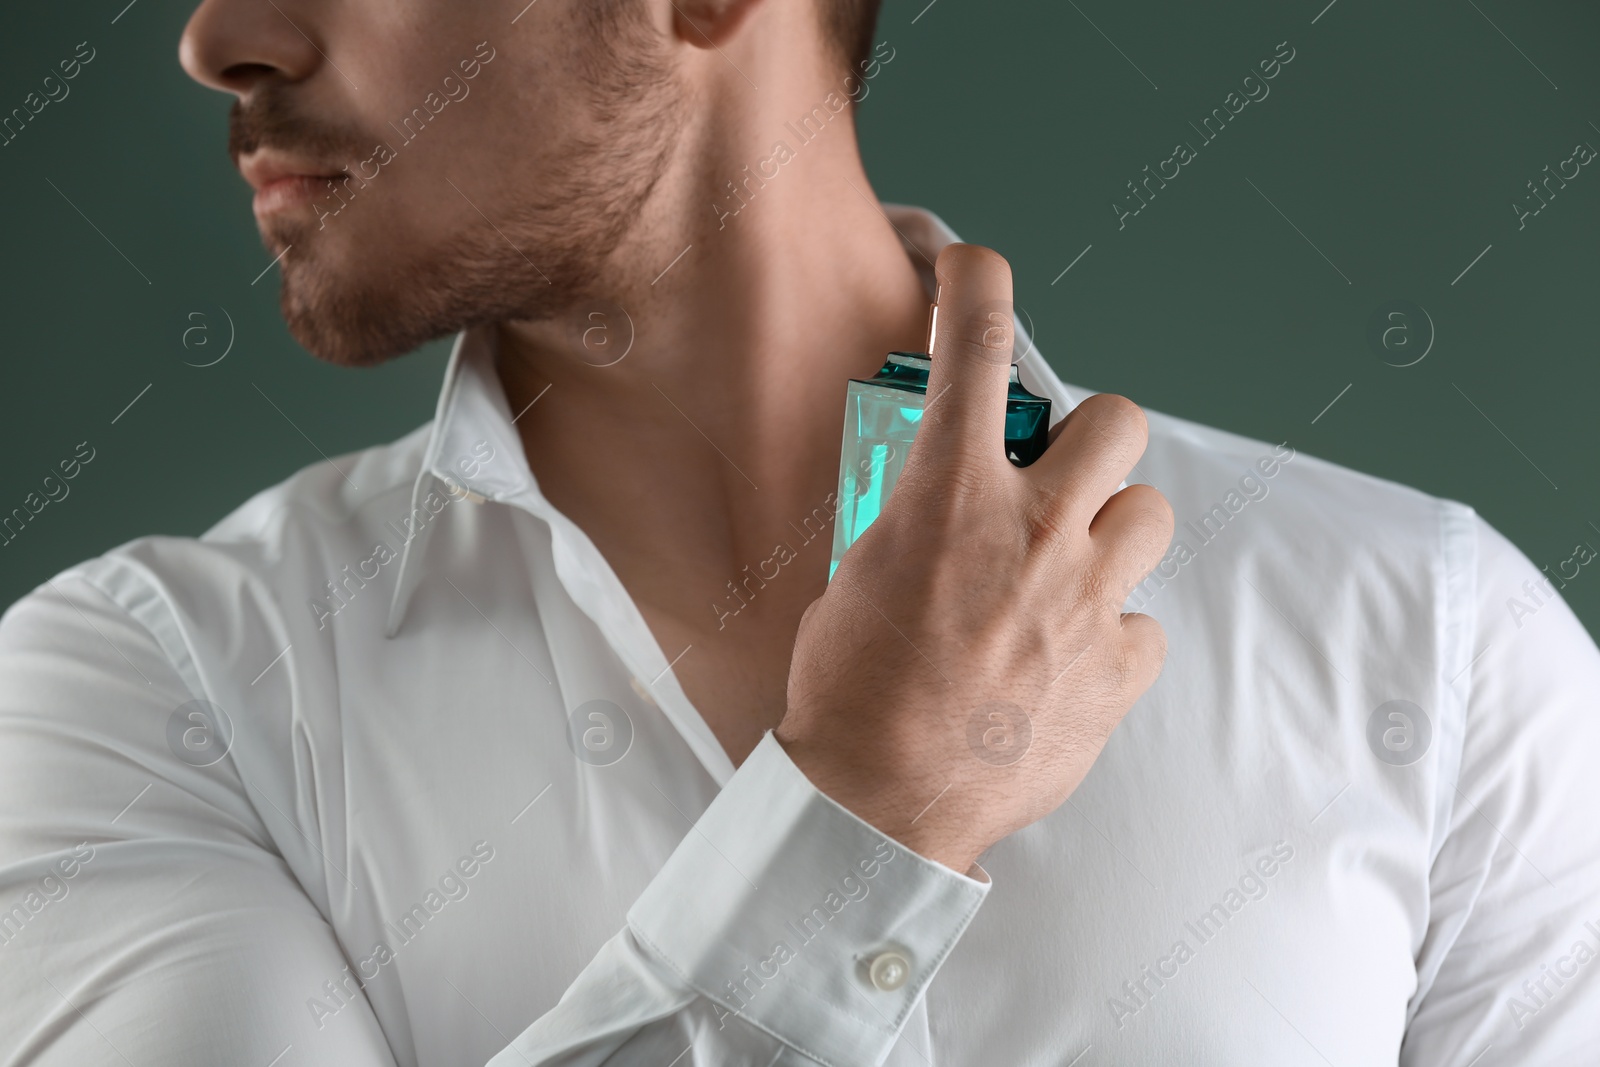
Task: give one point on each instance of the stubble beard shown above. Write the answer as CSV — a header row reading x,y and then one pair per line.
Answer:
x,y
544,258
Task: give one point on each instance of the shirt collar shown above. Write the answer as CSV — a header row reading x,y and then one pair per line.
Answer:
x,y
472,419
472,410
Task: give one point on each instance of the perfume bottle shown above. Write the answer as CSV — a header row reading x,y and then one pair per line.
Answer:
x,y
881,418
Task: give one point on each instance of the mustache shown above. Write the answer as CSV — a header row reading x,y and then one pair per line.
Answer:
x,y
270,121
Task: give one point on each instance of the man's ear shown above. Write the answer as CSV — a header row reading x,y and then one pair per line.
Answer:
x,y
709,23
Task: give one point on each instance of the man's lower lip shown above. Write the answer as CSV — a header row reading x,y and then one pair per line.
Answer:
x,y
291,192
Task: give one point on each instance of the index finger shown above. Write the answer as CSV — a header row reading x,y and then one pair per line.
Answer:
x,y
971,370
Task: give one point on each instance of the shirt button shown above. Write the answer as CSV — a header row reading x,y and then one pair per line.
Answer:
x,y
889,971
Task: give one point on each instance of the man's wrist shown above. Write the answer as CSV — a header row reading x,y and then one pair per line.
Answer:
x,y
770,861
884,807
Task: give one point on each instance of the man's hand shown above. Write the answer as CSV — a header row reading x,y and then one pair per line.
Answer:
x,y
969,659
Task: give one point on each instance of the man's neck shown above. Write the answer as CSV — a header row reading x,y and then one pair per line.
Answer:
x,y
718,432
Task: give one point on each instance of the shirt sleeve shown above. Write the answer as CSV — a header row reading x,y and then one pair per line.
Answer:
x,y
145,915
1511,958
782,930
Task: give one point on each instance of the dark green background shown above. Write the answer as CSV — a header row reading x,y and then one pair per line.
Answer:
x,y
1396,141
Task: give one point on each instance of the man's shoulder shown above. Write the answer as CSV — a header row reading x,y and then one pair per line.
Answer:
x,y
275,549
1279,494
317,514
324,497
1260,523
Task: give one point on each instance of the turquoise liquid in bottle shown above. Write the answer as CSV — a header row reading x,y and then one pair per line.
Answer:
x,y
881,419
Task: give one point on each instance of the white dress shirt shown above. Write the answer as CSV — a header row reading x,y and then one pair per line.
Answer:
x,y
387,769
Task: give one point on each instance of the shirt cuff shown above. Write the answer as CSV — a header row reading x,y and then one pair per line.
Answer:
x,y
801,918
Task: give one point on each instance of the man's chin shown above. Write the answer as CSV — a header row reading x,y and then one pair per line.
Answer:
x,y
361,314
344,328
335,302
370,313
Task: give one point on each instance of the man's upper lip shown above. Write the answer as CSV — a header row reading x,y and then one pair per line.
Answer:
x,y
264,166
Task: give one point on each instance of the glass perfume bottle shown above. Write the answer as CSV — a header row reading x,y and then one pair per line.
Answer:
x,y
881,419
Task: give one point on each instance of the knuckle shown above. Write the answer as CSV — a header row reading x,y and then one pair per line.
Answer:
x,y
1118,415
984,337
961,480
1150,499
1152,512
1146,638
941,503
1166,518
1123,667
